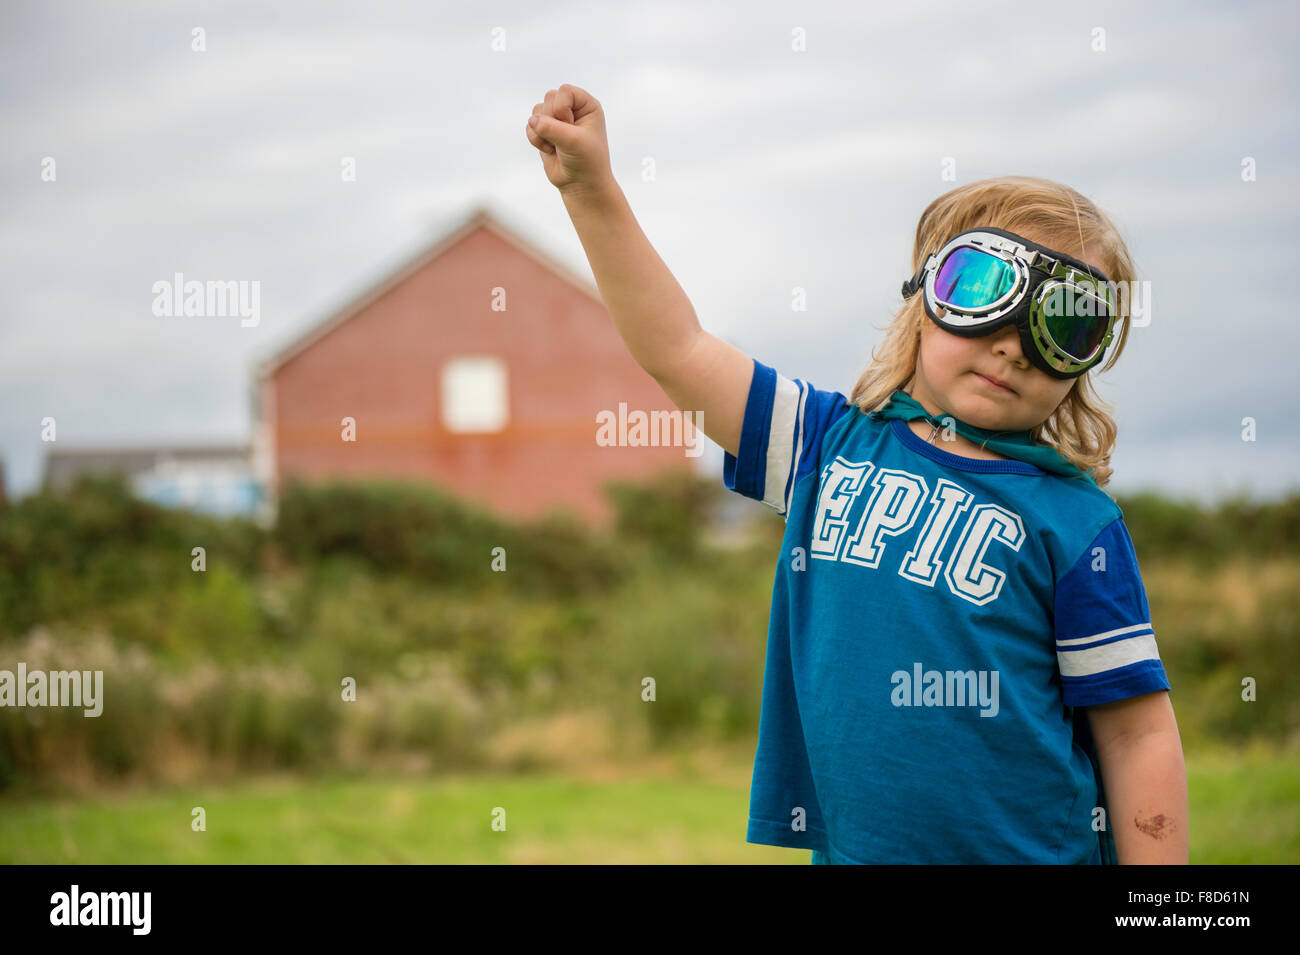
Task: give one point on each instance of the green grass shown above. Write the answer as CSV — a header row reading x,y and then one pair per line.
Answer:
x,y
548,820
1245,809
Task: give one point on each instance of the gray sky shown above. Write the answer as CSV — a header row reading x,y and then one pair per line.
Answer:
x,y
774,169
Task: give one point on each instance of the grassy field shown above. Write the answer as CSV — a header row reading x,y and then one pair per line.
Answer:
x,y
1245,809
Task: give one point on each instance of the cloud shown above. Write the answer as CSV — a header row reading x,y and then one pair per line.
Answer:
x,y
775,168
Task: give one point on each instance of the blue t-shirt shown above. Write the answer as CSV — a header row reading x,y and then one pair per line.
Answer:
x,y
935,621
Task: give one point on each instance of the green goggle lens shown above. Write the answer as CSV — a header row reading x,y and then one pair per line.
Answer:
x,y
1075,319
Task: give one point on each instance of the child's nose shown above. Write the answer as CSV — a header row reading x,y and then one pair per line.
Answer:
x,y
1007,343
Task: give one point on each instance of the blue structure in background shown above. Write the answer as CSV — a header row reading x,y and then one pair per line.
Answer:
x,y
219,480
217,494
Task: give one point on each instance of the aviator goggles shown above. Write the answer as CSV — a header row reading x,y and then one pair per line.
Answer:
x,y
985,279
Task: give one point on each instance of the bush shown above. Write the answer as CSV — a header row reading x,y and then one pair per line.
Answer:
x,y
63,554
392,585
666,515
420,530
1162,525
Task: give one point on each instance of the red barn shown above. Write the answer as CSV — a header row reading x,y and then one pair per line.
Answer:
x,y
482,365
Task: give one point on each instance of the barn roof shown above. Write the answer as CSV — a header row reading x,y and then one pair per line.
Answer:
x,y
479,217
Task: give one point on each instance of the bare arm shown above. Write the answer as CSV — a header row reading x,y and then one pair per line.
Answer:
x,y
696,369
1145,777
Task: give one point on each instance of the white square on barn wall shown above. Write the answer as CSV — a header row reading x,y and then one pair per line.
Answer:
x,y
474,396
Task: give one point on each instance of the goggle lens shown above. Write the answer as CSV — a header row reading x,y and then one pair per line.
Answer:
x,y
970,278
1076,320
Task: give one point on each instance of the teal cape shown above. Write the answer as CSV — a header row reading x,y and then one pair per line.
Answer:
x,y
1017,445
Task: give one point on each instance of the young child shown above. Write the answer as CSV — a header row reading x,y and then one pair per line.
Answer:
x,y
960,648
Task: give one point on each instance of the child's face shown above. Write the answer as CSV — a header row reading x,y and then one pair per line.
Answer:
x,y
950,370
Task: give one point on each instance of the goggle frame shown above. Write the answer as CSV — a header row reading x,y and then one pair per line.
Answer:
x,y
1056,269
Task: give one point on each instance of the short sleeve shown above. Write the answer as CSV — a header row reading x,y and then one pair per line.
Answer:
x,y
1105,645
785,421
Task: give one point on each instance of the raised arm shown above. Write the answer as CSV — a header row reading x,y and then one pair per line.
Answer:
x,y
695,368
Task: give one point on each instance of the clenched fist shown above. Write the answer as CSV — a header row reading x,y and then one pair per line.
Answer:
x,y
568,129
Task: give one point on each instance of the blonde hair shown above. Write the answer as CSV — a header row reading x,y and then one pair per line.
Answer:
x,y
1080,428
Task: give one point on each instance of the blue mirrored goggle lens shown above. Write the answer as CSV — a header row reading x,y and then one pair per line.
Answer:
x,y
970,278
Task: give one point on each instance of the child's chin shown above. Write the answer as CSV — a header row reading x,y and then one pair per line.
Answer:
x,y
988,412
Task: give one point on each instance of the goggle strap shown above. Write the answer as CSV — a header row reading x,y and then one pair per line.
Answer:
x,y
917,281
913,285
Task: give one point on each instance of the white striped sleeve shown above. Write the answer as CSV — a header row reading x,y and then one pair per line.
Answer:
x,y
1105,643
780,439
